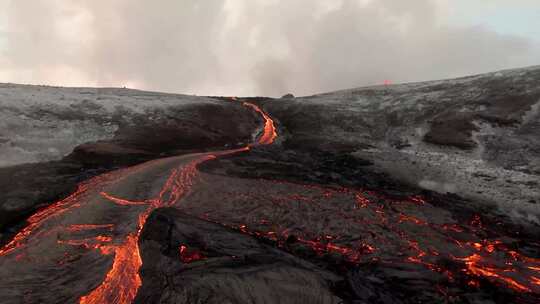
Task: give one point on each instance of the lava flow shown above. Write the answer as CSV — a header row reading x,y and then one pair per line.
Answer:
x,y
122,281
364,227
269,134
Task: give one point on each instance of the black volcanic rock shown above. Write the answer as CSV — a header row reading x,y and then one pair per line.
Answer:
x,y
456,132
230,268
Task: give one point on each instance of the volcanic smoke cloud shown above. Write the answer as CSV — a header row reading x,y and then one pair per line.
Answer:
x,y
254,47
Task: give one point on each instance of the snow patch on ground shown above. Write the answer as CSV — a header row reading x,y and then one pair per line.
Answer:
x,y
534,113
437,186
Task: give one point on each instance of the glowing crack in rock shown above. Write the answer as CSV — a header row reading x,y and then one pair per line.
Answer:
x,y
188,255
491,260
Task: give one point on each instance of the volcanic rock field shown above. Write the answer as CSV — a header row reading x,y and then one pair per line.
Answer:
x,y
410,193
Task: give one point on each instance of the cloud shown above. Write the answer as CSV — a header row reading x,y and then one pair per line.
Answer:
x,y
252,47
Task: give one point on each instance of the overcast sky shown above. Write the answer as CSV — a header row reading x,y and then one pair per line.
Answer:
x,y
261,47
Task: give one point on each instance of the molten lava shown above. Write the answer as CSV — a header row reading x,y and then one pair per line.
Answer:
x,y
123,280
54,210
84,227
120,201
476,268
269,132
188,255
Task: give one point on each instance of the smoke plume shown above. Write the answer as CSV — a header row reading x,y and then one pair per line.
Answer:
x,y
252,47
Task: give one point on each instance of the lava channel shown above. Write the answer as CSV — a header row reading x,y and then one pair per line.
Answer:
x,y
122,281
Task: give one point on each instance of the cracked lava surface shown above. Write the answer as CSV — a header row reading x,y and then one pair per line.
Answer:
x,y
363,227
96,230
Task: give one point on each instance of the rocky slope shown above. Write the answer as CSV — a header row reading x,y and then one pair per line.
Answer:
x,y
477,137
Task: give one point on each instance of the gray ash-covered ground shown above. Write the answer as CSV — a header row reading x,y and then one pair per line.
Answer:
x,y
478,136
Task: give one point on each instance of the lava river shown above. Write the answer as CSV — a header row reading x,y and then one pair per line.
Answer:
x,y
96,231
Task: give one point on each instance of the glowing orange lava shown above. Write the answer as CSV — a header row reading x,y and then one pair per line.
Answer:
x,y
488,259
123,280
188,255
53,210
84,227
120,201
269,134
475,267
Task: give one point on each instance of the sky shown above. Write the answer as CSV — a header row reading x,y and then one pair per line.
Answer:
x,y
261,47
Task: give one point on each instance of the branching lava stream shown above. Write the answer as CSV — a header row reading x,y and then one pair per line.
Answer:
x,y
122,280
